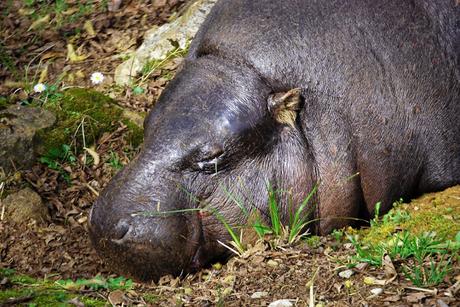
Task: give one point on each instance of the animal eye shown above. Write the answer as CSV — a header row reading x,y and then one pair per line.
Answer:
x,y
212,163
209,166
211,159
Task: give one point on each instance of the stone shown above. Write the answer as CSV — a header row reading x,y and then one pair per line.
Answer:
x,y
157,41
259,294
24,206
281,303
18,127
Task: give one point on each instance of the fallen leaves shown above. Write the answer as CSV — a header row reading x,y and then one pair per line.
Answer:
x,y
92,152
72,55
41,22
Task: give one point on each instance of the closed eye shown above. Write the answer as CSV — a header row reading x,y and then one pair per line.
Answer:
x,y
212,165
209,165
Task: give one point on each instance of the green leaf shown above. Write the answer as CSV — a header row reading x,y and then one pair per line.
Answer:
x,y
138,90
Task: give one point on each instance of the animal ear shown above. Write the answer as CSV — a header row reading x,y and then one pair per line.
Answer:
x,y
285,106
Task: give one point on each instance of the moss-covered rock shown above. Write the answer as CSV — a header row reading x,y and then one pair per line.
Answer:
x,y
83,115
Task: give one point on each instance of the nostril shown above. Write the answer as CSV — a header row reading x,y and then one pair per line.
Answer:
x,y
120,231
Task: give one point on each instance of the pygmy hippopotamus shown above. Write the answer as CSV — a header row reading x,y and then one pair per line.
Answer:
x,y
358,98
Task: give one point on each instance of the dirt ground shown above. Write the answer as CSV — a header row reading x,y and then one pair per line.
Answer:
x,y
61,249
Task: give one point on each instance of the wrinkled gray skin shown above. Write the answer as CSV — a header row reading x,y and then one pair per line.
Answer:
x,y
379,119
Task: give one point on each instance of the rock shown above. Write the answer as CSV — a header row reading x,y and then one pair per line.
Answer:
x,y
441,303
18,127
24,206
113,5
377,291
259,294
272,263
281,303
135,117
157,41
346,274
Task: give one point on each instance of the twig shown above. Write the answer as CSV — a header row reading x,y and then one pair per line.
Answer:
x,y
92,190
229,248
2,215
310,284
33,59
17,300
433,292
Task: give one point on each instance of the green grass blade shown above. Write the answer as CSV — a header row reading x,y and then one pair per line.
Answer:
x,y
298,223
274,212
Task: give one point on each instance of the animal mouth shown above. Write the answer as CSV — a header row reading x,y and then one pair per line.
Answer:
x,y
197,260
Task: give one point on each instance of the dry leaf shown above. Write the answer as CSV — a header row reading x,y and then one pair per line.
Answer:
x,y
116,297
26,12
415,297
43,75
50,55
88,26
369,280
393,298
70,11
92,152
72,55
389,268
40,22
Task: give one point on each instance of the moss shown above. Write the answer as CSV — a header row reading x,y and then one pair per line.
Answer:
x,y
151,298
433,212
136,134
23,279
46,297
14,293
83,115
38,297
3,103
41,292
92,302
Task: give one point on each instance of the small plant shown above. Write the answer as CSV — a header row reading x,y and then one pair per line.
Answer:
x,y
275,218
154,65
337,234
55,156
313,241
423,275
114,161
237,240
416,250
290,233
48,94
299,222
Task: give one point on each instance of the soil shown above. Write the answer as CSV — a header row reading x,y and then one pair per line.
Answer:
x,y
61,249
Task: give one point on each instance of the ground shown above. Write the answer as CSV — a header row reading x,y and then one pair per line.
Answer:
x,y
53,263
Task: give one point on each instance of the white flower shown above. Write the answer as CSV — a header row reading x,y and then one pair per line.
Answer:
x,y
97,77
39,87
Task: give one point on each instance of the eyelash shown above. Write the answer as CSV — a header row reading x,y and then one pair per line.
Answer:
x,y
211,166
